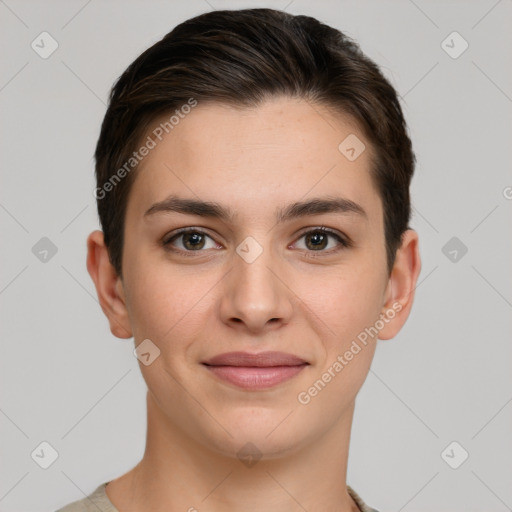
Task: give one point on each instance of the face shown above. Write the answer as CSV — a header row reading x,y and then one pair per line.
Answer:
x,y
286,255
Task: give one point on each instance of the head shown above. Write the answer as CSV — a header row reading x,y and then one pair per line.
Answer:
x,y
255,127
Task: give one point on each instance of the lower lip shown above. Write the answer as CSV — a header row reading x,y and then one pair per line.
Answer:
x,y
251,377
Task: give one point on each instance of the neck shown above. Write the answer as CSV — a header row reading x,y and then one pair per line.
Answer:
x,y
179,474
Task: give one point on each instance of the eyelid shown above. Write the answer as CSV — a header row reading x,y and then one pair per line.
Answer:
x,y
323,229
189,229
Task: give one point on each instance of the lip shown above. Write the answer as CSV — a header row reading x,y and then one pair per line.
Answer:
x,y
259,360
255,371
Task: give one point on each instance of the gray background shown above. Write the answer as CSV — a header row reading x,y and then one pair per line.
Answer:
x,y
446,377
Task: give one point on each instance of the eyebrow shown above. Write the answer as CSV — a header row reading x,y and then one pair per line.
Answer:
x,y
315,206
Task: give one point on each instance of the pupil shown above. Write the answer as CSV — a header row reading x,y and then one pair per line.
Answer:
x,y
194,237
317,237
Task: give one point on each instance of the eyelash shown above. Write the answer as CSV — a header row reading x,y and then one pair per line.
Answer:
x,y
345,243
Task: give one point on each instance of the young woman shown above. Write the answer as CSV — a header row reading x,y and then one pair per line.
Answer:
x,y
253,173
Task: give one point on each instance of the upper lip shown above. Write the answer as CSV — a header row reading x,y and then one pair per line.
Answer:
x,y
262,359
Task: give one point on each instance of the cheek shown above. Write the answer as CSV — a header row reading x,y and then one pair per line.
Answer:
x,y
348,306
345,301
164,303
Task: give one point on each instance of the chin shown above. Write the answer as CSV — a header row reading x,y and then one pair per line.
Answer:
x,y
260,431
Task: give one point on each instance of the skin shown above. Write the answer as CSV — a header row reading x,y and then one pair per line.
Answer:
x,y
192,308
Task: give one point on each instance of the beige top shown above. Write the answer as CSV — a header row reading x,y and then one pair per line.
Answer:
x,y
99,501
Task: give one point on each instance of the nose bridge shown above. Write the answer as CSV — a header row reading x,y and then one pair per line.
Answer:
x,y
255,293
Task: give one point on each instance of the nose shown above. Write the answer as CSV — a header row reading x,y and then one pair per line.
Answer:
x,y
255,296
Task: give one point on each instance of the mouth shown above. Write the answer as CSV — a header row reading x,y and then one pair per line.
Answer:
x,y
255,371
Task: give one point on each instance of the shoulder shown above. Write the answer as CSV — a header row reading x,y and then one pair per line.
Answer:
x,y
97,500
363,507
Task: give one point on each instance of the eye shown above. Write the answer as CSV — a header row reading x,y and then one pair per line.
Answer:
x,y
192,240
316,240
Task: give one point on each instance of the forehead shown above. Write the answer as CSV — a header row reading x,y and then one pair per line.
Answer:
x,y
278,152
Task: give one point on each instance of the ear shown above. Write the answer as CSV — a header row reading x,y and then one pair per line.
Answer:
x,y
109,286
401,285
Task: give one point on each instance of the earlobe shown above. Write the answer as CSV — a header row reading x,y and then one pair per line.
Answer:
x,y
402,283
109,287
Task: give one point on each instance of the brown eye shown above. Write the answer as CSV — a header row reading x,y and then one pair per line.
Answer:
x,y
193,241
188,240
317,240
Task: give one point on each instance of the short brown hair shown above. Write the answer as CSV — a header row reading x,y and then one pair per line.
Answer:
x,y
241,57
